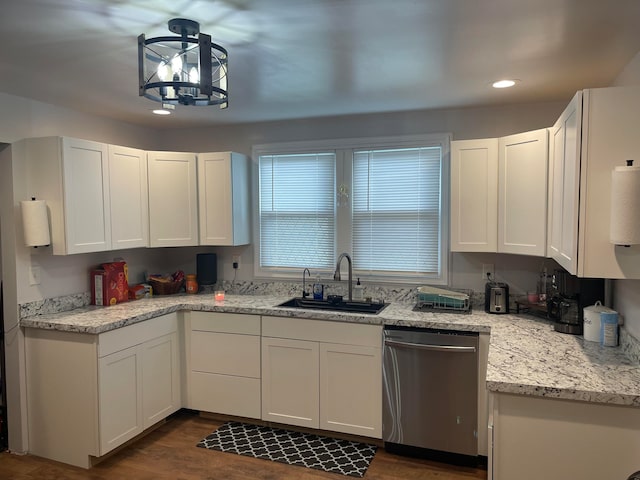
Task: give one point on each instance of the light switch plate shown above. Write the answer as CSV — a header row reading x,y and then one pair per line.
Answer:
x,y
34,275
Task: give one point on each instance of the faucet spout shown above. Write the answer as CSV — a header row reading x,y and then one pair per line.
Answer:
x,y
336,275
305,294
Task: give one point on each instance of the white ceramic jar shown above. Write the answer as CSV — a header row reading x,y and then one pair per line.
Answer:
x,y
591,319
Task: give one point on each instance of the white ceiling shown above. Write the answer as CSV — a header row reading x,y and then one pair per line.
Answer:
x,y
307,58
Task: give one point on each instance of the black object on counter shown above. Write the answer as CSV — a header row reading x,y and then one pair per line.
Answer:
x,y
206,268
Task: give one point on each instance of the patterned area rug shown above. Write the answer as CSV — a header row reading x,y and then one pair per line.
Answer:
x,y
294,448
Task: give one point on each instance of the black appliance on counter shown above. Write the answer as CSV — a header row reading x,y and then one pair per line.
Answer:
x,y
568,297
206,269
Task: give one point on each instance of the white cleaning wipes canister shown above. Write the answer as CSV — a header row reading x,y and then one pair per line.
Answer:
x,y
609,329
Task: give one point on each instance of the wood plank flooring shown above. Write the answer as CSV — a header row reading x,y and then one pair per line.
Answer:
x,y
169,453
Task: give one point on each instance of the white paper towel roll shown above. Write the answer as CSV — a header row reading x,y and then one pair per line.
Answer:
x,y
35,222
625,206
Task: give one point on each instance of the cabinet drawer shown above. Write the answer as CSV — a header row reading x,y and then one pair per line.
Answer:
x,y
126,337
322,331
225,353
225,322
225,394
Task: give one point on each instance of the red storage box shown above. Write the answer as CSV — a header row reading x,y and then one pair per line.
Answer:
x,y
109,284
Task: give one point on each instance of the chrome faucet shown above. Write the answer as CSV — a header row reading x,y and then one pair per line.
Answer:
x,y
336,275
305,294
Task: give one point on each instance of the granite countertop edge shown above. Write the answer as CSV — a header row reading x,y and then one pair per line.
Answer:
x,y
526,357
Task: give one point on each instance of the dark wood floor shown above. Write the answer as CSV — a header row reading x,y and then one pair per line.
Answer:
x,y
170,453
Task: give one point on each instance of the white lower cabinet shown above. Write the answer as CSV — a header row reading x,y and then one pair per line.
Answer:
x,y
119,397
536,437
224,363
290,390
322,374
160,378
349,379
137,387
89,394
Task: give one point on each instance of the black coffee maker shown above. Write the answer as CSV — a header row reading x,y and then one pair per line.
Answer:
x,y
567,297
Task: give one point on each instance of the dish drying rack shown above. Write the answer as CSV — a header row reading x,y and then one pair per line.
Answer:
x,y
439,299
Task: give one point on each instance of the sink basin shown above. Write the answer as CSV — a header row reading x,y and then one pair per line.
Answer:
x,y
336,306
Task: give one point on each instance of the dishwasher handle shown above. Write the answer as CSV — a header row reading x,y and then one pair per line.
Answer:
x,y
433,348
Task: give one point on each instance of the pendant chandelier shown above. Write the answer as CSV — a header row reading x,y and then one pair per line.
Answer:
x,y
182,70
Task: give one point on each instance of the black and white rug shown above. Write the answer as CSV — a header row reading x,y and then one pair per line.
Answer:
x,y
295,448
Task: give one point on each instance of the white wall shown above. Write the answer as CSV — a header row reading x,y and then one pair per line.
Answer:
x,y
464,123
24,118
69,275
21,118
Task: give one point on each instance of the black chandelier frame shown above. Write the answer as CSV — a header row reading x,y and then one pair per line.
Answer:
x,y
177,90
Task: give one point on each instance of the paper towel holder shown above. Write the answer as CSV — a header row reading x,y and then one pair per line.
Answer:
x,y
35,223
616,203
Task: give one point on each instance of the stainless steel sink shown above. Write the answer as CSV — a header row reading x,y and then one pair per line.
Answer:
x,y
334,305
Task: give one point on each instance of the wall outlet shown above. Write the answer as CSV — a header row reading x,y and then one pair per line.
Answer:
x,y
487,268
235,261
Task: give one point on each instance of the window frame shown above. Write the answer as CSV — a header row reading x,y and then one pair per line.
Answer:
x,y
344,149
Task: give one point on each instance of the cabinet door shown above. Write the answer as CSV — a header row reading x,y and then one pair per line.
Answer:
x,y
351,389
609,137
223,198
119,398
604,439
129,197
225,368
86,196
290,381
564,184
522,193
474,195
173,210
161,378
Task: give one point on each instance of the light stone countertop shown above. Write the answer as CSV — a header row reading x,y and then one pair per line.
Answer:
x,y
526,356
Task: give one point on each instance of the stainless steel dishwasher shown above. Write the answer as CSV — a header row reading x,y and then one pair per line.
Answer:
x,y
430,393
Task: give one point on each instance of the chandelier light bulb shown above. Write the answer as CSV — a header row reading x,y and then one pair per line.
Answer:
x,y
194,76
163,71
176,65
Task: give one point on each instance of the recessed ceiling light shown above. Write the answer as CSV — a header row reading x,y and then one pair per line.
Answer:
x,y
504,83
161,111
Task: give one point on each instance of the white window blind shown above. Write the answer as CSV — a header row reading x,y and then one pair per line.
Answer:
x,y
297,210
396,210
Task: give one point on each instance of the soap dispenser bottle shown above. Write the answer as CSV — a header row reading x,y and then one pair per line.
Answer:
x,y
318,289
358,291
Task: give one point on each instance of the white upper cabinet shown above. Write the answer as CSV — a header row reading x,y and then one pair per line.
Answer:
x,y
499,194
596,133
474,195
72,176
610,120
223,198
129,198
564,184
173,209
522,193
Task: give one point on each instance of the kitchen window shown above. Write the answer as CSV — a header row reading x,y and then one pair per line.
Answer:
x,y
384,201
